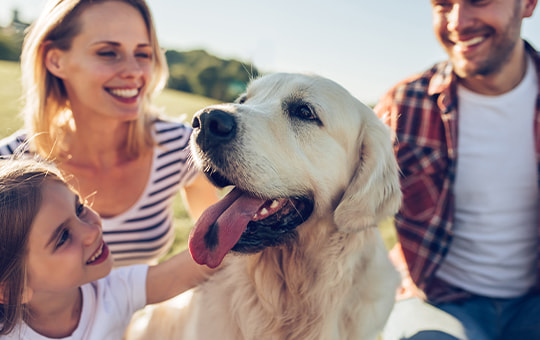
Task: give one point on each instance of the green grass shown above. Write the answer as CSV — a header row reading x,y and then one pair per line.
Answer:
x,y
174,104
10,92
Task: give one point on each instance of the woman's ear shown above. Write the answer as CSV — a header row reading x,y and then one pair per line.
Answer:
x,y
54,61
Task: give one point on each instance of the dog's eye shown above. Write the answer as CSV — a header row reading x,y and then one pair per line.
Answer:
x,y
242,99
303,111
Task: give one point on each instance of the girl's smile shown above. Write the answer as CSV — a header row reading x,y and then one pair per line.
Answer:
x,y
66,247
101,254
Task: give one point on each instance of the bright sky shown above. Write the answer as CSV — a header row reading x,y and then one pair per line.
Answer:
x,y
364,45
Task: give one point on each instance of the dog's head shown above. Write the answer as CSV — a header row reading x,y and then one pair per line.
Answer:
x,y
296,147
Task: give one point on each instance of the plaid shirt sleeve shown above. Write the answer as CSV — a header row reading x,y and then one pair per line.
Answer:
x,y
423,148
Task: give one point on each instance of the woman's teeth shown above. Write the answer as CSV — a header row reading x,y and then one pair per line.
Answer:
x,y
125,93
96,255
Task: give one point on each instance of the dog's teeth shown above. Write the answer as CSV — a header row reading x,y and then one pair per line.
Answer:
x,y
264,212
275,204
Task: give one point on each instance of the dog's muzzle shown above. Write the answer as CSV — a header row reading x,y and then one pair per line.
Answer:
x,y
213,127
243,221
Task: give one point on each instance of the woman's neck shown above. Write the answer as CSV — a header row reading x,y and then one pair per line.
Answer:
x,y
96,147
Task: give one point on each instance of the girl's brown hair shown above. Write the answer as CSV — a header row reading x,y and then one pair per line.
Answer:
x,y
21,184
46,110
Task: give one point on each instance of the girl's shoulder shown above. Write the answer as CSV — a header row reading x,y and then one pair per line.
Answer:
x,y
121,283
110,302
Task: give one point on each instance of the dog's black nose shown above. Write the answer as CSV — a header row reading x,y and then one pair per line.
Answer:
x,y
213,127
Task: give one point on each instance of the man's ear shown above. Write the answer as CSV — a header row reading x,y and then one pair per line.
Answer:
x,y
54,61
530,5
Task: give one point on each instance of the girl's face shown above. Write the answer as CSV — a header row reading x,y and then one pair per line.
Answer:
x,y
66,248
108,65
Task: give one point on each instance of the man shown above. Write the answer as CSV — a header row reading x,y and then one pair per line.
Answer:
x,y
468,144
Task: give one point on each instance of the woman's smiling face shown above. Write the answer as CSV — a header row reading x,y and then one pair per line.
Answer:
x,y
108,64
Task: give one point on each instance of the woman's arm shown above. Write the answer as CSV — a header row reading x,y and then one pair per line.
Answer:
x,y
199,195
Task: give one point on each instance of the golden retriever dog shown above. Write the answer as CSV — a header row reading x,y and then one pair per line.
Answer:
x,y
313,173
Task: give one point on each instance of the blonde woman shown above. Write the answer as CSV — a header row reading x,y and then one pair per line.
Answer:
x,y
90,70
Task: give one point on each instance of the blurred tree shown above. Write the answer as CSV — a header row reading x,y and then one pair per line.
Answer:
x,y
192,71
10,49
202,73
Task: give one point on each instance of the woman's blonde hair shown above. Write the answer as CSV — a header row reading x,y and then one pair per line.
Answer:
x,y
21,183
47,110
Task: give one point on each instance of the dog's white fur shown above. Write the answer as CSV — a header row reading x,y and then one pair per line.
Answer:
x,y
334,281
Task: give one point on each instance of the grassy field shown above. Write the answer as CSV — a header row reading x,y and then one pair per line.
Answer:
x,y
174,104
10,91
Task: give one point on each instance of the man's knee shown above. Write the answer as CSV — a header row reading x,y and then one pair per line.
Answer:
x,y
416,319
431,335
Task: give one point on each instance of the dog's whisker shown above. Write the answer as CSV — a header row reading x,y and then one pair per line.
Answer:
x,y
190,161
296,209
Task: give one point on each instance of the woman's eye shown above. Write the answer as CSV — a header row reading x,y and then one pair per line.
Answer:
x,y
144,55
107,54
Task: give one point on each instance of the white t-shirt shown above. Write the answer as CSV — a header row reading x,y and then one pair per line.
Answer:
x,y
494,246
107,307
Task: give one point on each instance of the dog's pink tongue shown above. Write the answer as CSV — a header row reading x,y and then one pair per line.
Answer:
x,y
220,227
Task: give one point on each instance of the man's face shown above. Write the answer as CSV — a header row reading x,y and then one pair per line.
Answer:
x,y
480,37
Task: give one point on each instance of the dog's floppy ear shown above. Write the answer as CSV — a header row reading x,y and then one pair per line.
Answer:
x,y
374,190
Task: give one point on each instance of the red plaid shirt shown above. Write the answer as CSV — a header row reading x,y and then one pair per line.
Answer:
x,y
422,110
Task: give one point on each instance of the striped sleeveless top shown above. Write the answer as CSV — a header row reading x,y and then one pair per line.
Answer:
x,y
145,232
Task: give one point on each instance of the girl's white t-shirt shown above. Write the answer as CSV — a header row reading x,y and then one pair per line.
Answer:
x,y
107,307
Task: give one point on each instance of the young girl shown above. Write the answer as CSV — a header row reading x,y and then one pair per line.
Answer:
x,y
55,269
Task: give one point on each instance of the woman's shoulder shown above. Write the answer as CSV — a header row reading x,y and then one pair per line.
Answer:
x,y
13,143
167,130
165,123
